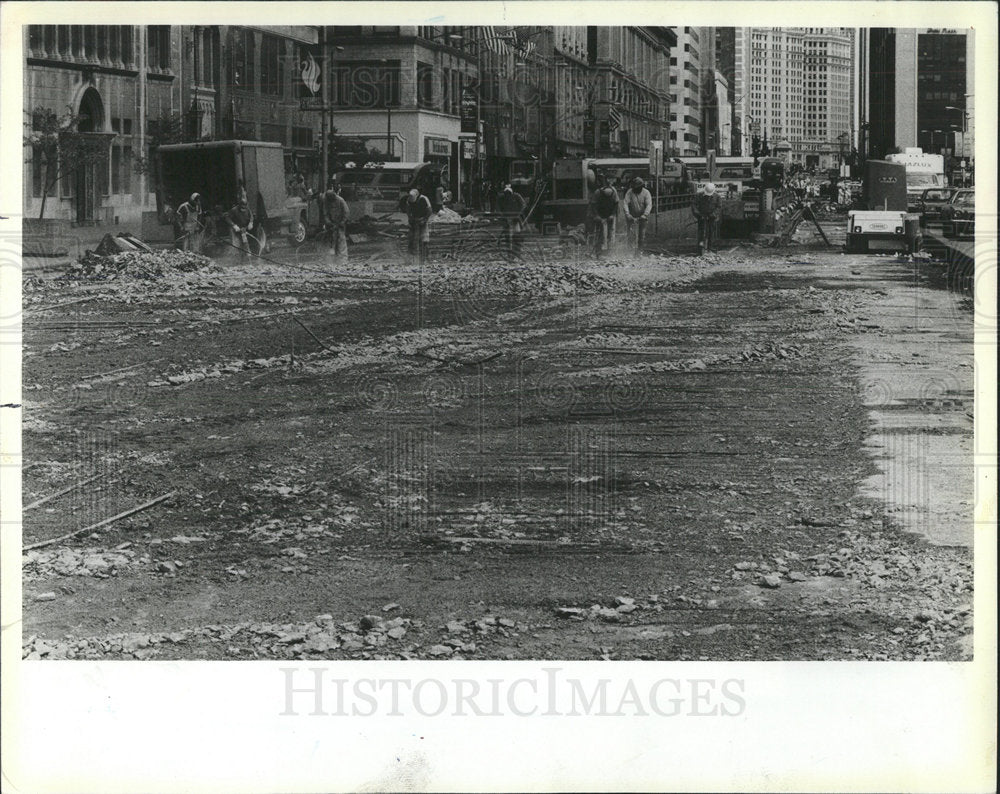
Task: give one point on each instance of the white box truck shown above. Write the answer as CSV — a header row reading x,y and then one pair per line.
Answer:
x,y
922,171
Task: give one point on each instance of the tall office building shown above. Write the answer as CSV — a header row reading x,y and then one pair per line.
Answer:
x,y
828,123
725,62
920,85
769,88
687,89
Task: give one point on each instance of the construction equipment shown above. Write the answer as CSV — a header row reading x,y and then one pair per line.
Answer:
x,y
882,223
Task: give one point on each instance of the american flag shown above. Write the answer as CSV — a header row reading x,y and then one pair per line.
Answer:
x,y
494,41
614,117
523,46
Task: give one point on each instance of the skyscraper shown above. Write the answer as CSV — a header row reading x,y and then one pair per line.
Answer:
x,y
771,63
921,89
687,88
828,124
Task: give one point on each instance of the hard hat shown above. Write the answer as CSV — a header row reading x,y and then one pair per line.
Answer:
x,y
710,188
637,182
414,193
195,196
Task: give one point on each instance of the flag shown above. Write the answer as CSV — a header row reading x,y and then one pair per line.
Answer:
x,y
493,40
614,117
523,47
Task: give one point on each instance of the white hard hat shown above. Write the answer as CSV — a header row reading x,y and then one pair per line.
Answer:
x,y
195,196
710,188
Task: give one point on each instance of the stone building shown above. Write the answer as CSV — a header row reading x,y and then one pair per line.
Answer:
x,y
137,85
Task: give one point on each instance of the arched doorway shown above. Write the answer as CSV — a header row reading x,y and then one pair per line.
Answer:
x,y
87,185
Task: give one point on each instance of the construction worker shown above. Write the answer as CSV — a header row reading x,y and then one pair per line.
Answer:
x,y
511,207
240,220
604,206
418,213
638,205
187,224
336,213
707,209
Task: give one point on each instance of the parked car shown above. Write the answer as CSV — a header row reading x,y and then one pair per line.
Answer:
x,y
959,215
932,202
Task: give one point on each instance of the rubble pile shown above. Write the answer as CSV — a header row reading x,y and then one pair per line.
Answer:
x,y
135,265
614,612
763,352
370,637
99,563
446,215
548,279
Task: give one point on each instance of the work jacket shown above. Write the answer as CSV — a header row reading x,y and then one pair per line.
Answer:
x,y
708,207
187,213
605,202
336,209
638,205
417,212
511,204
240,216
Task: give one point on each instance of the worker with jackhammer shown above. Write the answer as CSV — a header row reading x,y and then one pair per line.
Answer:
x,y
240,220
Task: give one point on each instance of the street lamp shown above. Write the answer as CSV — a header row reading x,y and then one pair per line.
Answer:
x,y
965,122
388,109
458,38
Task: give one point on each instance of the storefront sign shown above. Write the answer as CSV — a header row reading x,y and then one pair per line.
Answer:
x,y
437,147
309,79
469,149
467,109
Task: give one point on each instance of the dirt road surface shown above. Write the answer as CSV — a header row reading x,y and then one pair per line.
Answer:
x,y
759,454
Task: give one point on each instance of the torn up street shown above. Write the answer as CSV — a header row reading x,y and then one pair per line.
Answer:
x,y
755,454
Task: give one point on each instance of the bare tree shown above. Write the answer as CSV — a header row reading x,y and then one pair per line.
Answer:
x,y
61,147
169,128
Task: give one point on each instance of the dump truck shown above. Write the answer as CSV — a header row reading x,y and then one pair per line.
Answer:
x,y
218,170
882,222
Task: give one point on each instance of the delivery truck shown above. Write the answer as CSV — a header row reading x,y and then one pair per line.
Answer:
x,y
220,171
923,171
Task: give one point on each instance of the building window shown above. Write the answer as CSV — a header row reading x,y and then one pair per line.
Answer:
x,y
37,172
302,137
90,42
244,58
127,45
271,77
273,133
367,84
116,167
126,180
207,59
425,85
158,47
